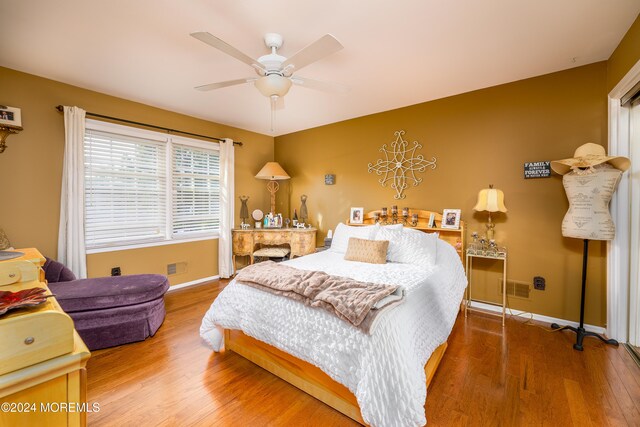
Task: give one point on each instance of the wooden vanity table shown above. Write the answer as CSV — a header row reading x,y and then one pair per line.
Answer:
x,y
302,241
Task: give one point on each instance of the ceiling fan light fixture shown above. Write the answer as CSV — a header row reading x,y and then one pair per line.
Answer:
x,y
273,84
275,71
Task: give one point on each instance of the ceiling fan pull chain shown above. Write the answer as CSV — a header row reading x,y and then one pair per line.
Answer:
x,y
274,99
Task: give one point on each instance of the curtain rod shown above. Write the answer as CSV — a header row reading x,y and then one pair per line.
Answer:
x,y
61,109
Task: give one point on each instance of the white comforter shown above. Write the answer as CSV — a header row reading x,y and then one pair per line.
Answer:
x,y
384,370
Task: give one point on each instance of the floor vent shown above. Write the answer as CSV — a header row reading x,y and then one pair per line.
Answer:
x,y
516,289
176,268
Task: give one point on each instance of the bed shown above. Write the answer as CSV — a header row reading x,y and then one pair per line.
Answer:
x,y
376,379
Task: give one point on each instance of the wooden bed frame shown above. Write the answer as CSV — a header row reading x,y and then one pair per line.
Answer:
x,y
312,379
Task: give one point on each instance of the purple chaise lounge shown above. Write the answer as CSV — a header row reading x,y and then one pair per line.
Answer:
x,y
109,311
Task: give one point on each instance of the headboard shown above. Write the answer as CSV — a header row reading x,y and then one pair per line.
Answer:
x,y
455,237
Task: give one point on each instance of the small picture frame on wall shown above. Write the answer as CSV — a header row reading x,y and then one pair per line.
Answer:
x,y
10,116
356,216
451,218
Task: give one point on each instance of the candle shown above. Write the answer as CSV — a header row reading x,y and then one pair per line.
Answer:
x,y
394,209
384,212
376,216
414,218
405,212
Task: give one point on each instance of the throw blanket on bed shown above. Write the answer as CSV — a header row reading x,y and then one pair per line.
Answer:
x,y
358,303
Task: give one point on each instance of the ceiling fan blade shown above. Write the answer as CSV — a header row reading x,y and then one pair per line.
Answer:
x,y
225,47
219,85
322,47
318,85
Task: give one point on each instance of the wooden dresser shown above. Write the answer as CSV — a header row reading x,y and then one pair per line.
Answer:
x,y
302,241
42,358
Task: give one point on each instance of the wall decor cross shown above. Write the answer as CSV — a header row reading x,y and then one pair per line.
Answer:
x,y
400,164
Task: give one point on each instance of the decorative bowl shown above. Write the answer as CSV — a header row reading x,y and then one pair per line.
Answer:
x,y
24,298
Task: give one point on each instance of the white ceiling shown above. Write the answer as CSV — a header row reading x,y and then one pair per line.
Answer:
x,y
396,53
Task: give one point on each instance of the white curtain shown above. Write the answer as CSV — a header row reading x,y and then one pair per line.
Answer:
x,y
71,251
634,194
225,264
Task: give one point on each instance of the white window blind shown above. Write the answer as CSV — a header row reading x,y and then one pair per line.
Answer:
x,y
145,188
125,189
196,190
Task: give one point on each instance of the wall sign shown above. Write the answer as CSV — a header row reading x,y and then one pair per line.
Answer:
x,y
537,170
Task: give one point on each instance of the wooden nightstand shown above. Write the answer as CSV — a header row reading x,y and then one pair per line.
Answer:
x,y
500,256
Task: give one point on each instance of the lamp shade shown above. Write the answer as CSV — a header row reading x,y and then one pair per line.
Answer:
x,y
490,200
272,171
273,85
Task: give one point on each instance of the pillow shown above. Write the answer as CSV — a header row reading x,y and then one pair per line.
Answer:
x,y
363,250
410,246
418,248
393,234
393,227
344,232
4,241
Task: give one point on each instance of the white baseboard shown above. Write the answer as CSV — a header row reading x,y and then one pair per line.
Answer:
x,y
539,317
193,282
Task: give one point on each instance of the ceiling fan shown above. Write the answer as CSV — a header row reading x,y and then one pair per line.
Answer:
x,y
276,72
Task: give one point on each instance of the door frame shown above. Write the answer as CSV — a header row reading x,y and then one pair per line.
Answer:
x,y
618,250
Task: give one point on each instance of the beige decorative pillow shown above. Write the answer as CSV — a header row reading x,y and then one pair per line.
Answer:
x,y
363,250
4,241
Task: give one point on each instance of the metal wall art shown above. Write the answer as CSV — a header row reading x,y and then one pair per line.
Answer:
x,y
400,165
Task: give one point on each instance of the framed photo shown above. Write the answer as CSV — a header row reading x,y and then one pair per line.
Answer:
x,y
451,218
356,216
10,116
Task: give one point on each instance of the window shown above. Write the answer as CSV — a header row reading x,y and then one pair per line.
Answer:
x,y
145,187
196,190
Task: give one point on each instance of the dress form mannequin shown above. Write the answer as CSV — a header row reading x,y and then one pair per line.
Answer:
x,y
590,179
589,192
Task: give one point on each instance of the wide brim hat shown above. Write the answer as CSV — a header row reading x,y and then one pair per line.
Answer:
x,y
588,155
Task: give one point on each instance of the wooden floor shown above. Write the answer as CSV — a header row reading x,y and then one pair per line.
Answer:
x,y
490,376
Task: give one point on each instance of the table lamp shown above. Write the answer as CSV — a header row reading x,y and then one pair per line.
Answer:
x,y
490,200
274,173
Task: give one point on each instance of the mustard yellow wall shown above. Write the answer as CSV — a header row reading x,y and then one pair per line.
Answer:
x,y
479,138
201,258
31,170
625,56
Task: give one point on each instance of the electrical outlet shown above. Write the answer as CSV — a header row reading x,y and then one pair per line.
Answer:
x,y
539,283
115,271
